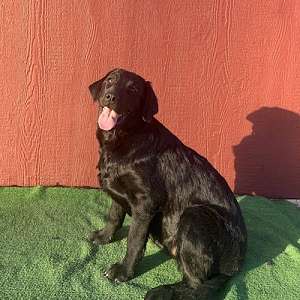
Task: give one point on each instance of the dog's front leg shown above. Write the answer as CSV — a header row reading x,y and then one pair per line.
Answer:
x,y
136,242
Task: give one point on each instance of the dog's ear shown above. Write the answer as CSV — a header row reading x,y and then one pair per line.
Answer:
x,y
95,88
150,107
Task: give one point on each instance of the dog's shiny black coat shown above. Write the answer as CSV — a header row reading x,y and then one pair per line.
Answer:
x,y
173,194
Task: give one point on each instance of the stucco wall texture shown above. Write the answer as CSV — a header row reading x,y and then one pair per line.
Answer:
x,y
227,75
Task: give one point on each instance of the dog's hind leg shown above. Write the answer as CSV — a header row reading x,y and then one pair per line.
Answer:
x,y
200,243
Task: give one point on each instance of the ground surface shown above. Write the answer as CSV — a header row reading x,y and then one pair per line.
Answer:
x,y
44,253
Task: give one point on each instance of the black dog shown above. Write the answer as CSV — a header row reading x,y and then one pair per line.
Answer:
x,y
172,193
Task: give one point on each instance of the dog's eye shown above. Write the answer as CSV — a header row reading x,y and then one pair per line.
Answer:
x,y
109,80
133,88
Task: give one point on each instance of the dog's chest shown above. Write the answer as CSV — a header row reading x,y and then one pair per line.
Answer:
x,y
115,180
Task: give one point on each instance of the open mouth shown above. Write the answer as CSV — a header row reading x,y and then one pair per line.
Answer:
x,y
108,118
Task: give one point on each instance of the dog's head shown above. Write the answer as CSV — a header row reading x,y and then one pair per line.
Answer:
x,y
123,97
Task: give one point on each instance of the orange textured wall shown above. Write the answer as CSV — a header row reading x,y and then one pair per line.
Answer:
x,y
227,74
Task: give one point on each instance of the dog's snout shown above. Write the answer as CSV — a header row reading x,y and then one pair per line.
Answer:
x,y
109,98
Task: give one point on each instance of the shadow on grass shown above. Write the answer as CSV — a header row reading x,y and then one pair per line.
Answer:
x,y
272,226
79,266
151,261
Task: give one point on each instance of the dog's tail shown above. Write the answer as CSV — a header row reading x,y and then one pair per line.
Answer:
x,y
183,291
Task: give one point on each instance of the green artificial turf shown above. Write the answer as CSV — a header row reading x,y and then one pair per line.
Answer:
x,y
44,253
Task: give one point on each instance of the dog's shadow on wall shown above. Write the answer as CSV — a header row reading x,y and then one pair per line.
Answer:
x,y
267,162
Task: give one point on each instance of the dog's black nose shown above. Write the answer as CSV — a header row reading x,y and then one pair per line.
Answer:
x,y
109,98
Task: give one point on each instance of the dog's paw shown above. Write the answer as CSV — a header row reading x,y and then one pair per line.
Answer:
x,y
118,273
99,237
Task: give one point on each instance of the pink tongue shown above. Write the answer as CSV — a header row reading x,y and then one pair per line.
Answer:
x,y
107,119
